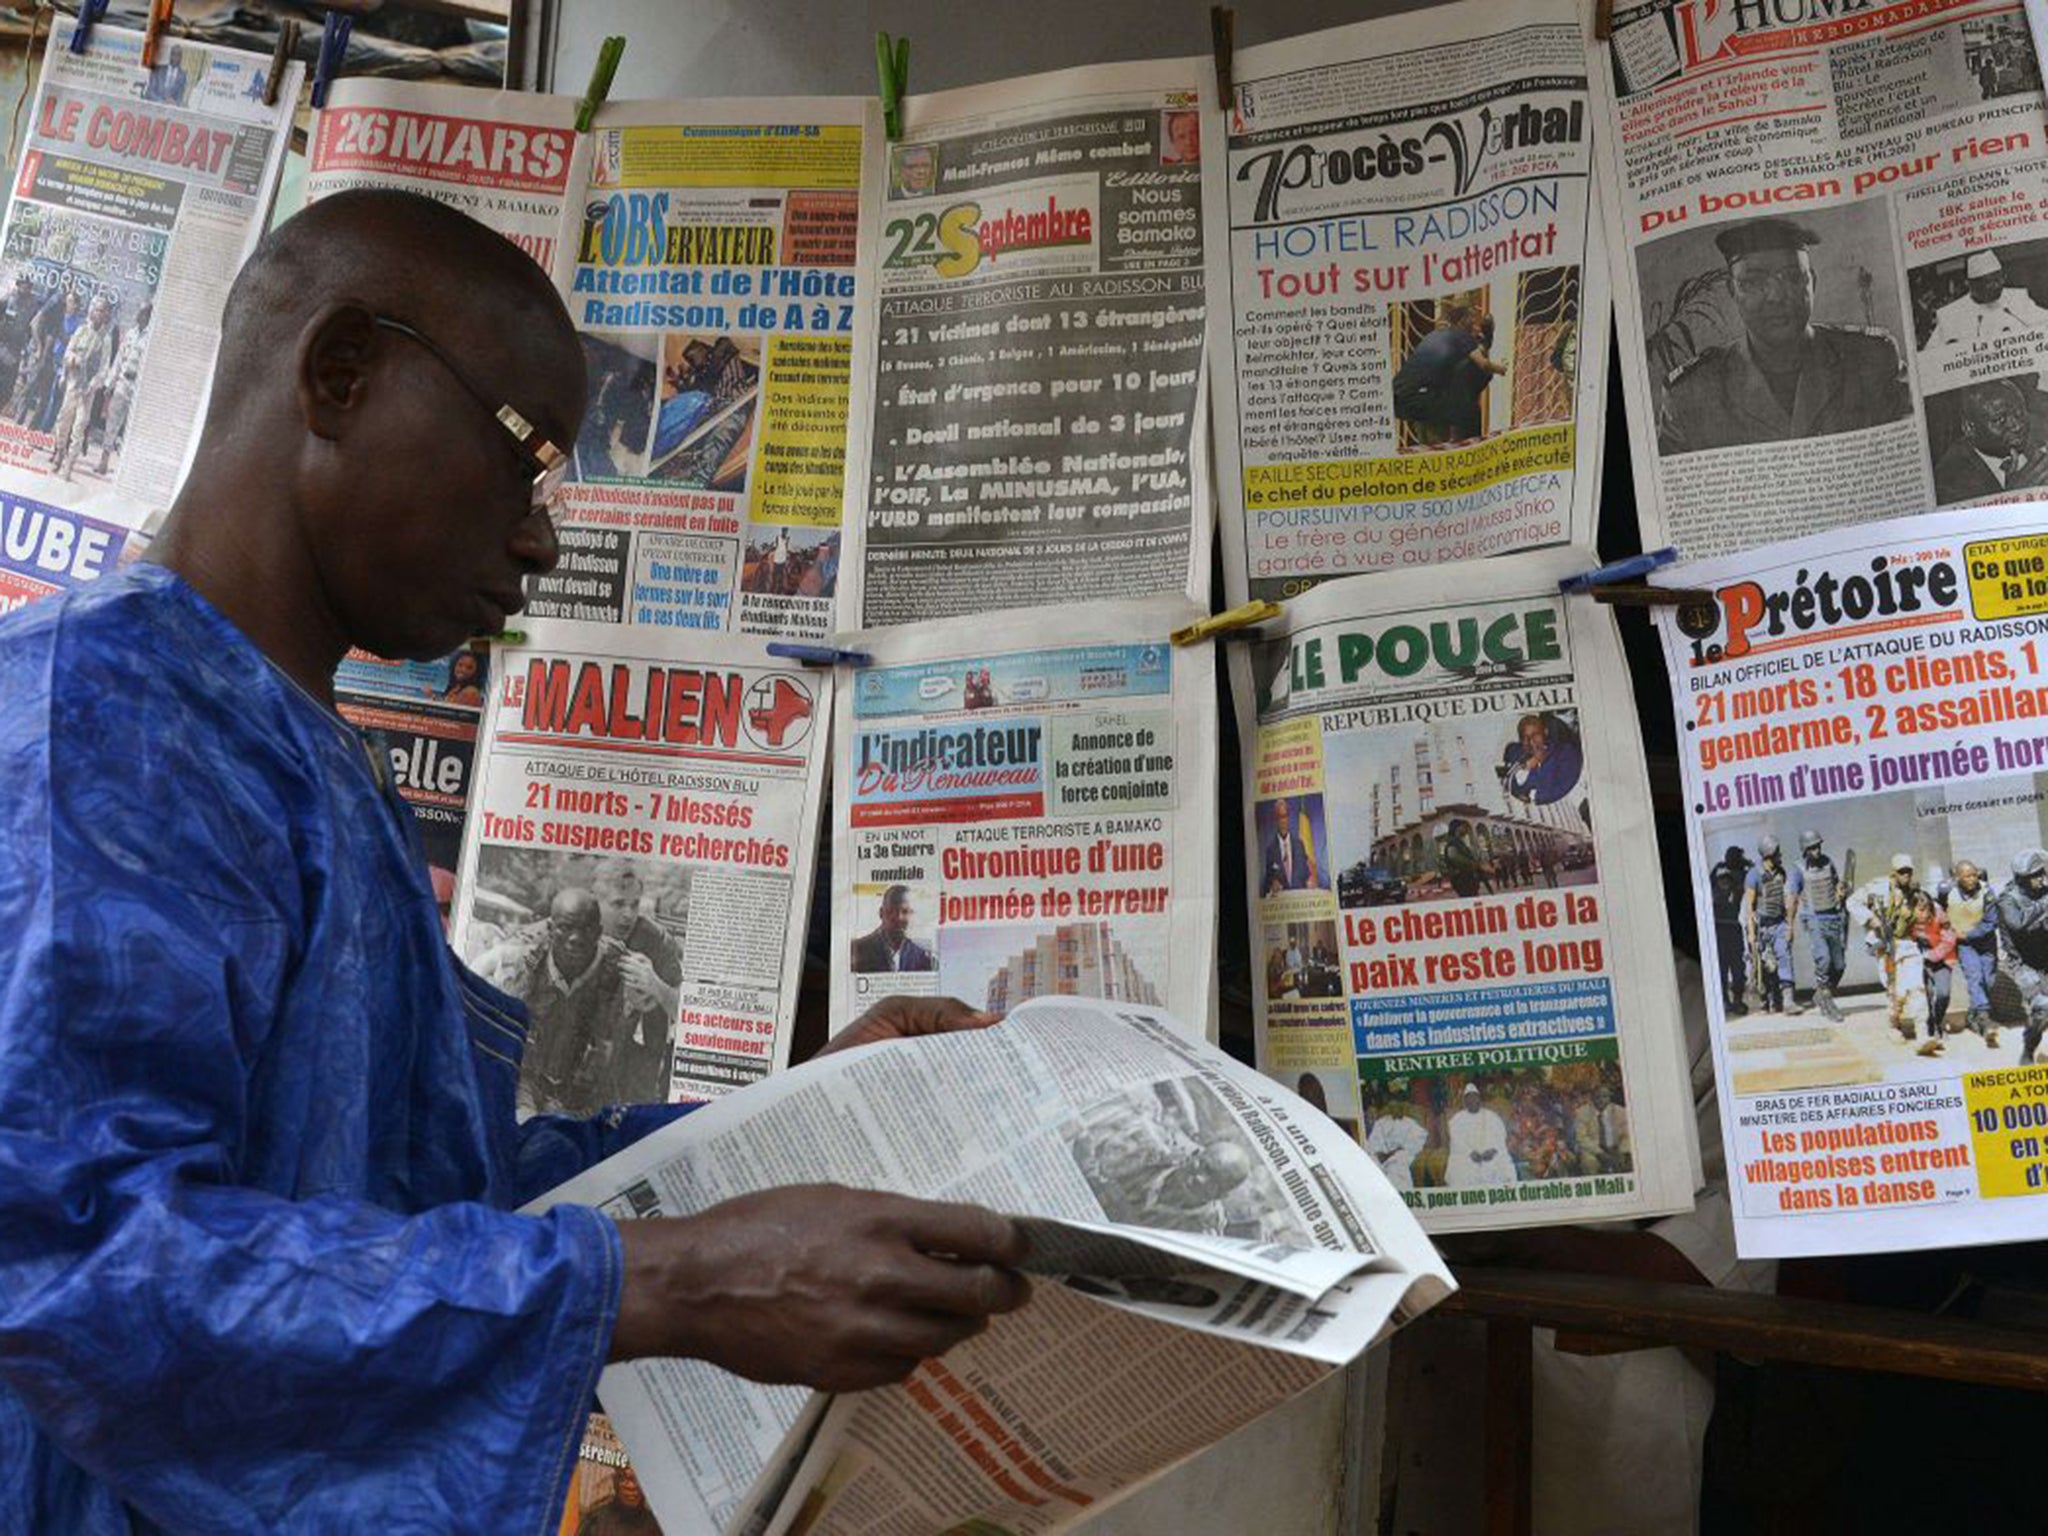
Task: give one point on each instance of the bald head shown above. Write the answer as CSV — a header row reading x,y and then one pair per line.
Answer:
x,y
393,252
356,482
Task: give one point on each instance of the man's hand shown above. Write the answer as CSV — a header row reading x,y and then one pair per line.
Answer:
x,y
827,1287
905,1018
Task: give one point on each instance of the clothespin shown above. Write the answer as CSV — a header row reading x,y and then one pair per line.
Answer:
x,y
1232,621
1603,20
502,637
89,12
892,79
609,52
1634,568
1223,34
334,34
1621,584
280,59
152,33
818,655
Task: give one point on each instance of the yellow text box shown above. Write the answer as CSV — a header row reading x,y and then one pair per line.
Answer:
x,y
2009,1130
749,156
1412,477
803,431
2008,577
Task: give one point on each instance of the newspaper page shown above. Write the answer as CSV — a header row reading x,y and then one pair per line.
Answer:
x,y
1826,284
711,256
715,270
605,1496
1408,264
637,865
509,159
1866,772
420,718
1103,1121
1458,940
1033,428
1018,815
138,194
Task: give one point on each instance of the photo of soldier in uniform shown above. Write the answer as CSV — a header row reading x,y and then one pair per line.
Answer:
x,y
1169,1155
1884,937
1988,440
594,948
1774,329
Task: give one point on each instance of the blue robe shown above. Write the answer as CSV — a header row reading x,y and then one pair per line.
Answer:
x,y
258,1266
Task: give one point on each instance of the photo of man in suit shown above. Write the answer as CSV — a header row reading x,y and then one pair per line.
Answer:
x,y
1994,448
889,946
1290,837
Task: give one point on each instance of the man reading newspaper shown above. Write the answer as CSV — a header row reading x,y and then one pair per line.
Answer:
x,y
259,1266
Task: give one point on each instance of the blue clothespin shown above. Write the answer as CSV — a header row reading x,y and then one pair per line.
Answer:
x,y
333,49
1634,568
89,12
892,79
609,52
818,655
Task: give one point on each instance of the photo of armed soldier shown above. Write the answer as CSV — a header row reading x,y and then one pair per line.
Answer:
x,y
1936,953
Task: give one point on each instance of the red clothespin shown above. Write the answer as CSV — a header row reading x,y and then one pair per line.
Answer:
x,y
152,35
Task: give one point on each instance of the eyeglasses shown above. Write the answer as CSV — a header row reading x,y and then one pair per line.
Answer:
x,y
549,463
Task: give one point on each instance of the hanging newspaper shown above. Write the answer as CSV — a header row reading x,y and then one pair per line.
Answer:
x,y
1457,918
1408,265
1865,724
421,718
137,196
709,255
509,159
1025,806
637,868
1831,299
1033,427
1219,1247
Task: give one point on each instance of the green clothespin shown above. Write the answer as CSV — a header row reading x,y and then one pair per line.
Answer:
x,y
892,79
608,55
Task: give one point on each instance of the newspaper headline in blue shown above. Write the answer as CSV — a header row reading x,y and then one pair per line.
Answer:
x,y
962,770
53,547
1083,674
1525,1015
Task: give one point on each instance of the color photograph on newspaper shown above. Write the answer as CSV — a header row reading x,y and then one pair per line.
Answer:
x,y
1864,720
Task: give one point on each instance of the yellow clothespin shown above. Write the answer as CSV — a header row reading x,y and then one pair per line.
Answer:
x,y
159,18
1241,617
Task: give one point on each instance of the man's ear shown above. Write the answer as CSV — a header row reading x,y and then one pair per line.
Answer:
x,y
334,366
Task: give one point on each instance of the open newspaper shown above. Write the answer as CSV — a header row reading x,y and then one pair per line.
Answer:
x,y
1407,265
1864,715
1458,935
1026,805
1826,260
137,196
1033,429
1212,1246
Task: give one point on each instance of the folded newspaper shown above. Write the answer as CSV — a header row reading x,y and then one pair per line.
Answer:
x,y
1214,1246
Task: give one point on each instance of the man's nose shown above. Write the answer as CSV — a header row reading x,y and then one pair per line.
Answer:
x,y
534,544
